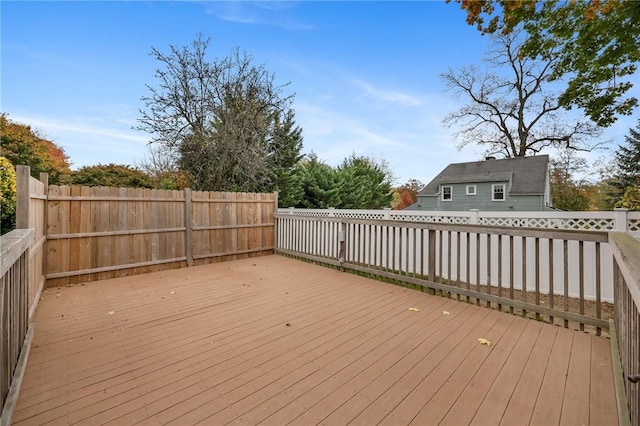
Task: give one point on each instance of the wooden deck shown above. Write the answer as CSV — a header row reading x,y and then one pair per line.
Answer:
x,y
275,341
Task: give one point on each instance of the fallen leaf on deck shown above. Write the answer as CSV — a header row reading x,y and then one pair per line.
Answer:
x,y
414,309
484,341
445,312
110,312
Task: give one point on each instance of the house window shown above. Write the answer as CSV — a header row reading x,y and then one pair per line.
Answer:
x,y
471,190
447,193
498,192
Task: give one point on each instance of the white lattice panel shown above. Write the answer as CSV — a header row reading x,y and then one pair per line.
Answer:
x,y
504,221
581,221
358,215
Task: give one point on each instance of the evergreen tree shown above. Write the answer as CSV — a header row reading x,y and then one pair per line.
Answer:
x,y
367,184
627,162
284,154
320,184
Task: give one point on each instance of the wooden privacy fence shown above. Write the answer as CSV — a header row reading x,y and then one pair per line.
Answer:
x,y
559,275
96,233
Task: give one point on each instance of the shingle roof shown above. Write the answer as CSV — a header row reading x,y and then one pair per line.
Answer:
x,y
527,174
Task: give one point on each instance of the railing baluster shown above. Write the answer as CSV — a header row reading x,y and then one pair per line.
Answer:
x,y
524,274
500,270
458,263
566,279
478,266
511,272
468,255
537,273
598,289
551,290
581,271
488,303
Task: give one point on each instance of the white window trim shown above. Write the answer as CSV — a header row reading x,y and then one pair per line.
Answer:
x,y
493,192
475,190
450,193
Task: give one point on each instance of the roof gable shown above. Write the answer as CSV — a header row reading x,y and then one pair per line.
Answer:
x,y
527,175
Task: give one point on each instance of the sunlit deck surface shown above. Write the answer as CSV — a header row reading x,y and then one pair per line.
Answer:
x,y
276,341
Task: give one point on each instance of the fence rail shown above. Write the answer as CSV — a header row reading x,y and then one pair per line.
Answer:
x,y
14,314
626,253
563,276
619,220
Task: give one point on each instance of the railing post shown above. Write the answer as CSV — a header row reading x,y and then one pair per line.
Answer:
x,y
188,238
342,244
432,255
620,219
23,173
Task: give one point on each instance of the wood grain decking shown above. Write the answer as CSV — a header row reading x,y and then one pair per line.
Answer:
x,y
275,341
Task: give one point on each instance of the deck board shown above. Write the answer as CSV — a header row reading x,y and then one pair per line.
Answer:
x,y
275,341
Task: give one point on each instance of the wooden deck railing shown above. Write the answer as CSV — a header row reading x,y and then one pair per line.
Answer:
x,y
559,276
626,252
14,315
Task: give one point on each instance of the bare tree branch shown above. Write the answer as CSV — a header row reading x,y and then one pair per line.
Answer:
x,y
511,110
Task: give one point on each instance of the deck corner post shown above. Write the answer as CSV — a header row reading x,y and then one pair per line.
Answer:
x,y
620,219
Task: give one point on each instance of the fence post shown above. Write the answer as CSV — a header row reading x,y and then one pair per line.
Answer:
x,y
188,236
473,220
275,222
387,213
620,219
23,173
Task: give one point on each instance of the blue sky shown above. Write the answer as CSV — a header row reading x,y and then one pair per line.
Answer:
x,y
365,74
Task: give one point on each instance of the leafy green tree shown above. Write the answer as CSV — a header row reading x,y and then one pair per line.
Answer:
x,y
567,192
22,145
366,184
596,44
114,175
7,196
219,118
630,199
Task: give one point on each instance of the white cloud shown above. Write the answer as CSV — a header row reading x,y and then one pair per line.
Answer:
x,y
275,13
87,144
391,96
51,126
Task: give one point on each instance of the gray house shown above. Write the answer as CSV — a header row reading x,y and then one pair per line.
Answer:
x,y
512,184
